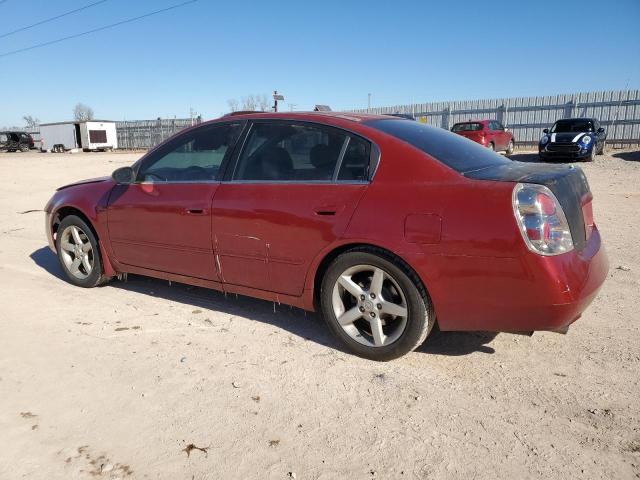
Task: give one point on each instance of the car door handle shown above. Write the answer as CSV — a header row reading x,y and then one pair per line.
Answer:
x,y
327,210
195,211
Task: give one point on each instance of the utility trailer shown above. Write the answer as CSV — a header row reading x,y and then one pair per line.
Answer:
x,y
94,135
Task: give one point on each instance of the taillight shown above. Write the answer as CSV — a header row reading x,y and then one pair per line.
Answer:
x,y
587,214
541,219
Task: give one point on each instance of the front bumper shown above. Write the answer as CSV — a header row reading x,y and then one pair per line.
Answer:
x,y
572,151
48,228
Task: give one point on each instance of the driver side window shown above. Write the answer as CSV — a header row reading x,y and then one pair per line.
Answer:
x,y
192,157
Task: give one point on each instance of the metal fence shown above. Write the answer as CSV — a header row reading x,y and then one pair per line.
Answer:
x,y
618,111
143,134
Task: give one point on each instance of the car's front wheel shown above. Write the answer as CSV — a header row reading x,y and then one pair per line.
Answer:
x,y
78,252
376,306
604,146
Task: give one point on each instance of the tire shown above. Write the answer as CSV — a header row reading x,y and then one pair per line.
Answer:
x,y
24,148
592,154
510,148
66,241
491,147
400,334
603,148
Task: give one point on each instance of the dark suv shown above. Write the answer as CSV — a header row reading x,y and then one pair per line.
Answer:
x,y
12,141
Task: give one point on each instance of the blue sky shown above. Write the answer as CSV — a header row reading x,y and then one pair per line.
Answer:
x,y
331,52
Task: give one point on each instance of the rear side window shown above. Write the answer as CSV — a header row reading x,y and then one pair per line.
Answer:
x,y
466,127
282,151
356,160
455,151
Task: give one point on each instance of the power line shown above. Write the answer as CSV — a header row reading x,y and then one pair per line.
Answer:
x,y
22,29
111,25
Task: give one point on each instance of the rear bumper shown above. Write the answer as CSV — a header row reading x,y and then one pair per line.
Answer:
x,y
521,294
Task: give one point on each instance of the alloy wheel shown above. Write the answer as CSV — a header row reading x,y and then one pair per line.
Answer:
x,y
76,252
369,305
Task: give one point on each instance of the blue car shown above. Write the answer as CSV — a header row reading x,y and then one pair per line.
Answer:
x,y
573,139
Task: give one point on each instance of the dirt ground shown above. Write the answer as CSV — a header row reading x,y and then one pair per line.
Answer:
x,y
146,380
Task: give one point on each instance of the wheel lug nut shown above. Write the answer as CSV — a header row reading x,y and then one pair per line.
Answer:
x,y
362,309
379,306
373,314
362,297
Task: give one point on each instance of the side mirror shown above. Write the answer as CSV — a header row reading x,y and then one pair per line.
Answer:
x,y
601,130
546,130
124,176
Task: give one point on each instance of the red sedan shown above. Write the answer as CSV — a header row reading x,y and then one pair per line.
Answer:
x,y
385,225
488,133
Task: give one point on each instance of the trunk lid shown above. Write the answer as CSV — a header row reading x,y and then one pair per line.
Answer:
x,y
567,182
474,135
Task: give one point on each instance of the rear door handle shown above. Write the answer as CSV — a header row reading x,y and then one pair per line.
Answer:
x,y
195,211
327,210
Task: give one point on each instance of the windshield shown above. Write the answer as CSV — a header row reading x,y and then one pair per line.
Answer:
x,y
466,127
455,151
571,126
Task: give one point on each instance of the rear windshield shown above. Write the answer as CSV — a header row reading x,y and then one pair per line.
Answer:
x,y
455,151
466,127
572,126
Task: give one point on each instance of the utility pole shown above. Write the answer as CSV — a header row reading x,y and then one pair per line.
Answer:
x,y
368,102
276,97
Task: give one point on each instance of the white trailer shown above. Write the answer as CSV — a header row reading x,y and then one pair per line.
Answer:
x,y
93,135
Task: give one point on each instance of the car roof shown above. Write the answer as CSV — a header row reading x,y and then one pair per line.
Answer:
x,y
485,120
576,119
349,116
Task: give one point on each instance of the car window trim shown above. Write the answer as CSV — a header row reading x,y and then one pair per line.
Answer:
x,y
343,151
374,155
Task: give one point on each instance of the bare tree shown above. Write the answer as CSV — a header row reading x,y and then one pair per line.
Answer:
x,y
263,102
233,104
82,112
249,103
31,122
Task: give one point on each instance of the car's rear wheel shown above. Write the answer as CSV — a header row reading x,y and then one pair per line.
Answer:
x,y
510,148
79,252
377,307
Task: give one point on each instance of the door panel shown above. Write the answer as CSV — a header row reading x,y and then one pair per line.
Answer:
x,y
164,226
267,234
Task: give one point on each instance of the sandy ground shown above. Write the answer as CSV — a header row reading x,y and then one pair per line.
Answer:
x,y
124,380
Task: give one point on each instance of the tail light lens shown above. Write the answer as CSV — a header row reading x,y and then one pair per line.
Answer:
x,y
541,220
